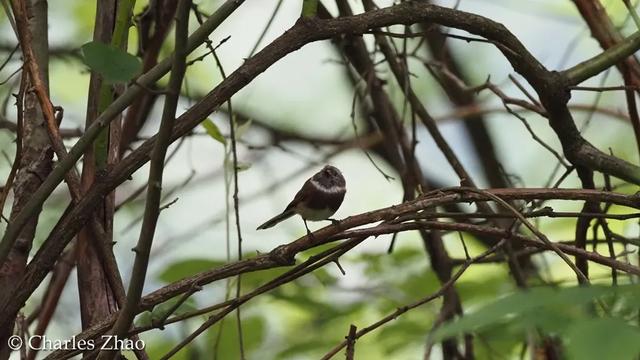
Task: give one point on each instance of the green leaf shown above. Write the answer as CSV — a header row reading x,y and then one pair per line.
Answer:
x,y
324,277
401,333
403,255
311,302
160,311
242,129
525,308
255,279
253,330
309,8
298,349
498,340
608,338
114,64
242,166
417,285
213,131
489,287
159,347
182,269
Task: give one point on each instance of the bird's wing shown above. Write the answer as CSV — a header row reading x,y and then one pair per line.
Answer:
x,y
302,195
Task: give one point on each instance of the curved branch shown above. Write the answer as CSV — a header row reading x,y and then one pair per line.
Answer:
x,y
284,255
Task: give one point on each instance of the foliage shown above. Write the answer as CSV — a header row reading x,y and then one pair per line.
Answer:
x,y
115,65
592,322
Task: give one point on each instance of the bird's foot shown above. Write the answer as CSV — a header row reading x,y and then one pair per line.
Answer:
x,y
334,222
309,233
311,236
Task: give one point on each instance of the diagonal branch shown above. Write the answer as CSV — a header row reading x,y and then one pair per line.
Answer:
x,y
20,14
284,254
403,309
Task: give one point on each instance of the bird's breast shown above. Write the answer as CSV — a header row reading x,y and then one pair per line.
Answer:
x,y
312,214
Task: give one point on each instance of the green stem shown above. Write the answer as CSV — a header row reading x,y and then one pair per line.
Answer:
x,y
309,8
118,40
603,61
632,12
123,17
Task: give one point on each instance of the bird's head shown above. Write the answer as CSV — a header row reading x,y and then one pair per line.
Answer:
x,y
331,174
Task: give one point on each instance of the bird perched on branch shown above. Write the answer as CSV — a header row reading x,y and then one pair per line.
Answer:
x,y
318,199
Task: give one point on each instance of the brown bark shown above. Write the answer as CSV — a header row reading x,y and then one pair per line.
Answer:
x,y
97,300
35,164
154,25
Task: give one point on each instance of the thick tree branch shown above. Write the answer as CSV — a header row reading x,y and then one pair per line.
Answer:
x,y
284,254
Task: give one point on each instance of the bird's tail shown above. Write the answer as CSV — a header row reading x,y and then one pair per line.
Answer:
x,y
276,219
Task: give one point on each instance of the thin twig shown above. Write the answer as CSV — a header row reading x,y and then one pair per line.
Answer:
x,y
236,203
351,342
18,157
306,267
537,232
604,88
20,13
265,29
632,108
403,309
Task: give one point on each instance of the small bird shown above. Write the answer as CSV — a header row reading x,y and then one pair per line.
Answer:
x,y
318,199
